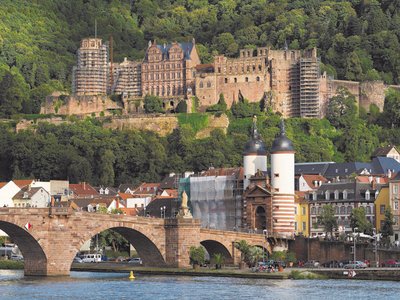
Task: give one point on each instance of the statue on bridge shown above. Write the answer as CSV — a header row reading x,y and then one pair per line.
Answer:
x,y
184,212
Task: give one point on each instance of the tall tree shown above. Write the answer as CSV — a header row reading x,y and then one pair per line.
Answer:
x,y
327,219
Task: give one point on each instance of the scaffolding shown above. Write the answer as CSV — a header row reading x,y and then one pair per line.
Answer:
x,y
90,76
309,87
215,200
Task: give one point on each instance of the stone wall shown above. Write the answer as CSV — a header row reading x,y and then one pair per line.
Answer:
x,y
162,124
372,92
324,251
79,105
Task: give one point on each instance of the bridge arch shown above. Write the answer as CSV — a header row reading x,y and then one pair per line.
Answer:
x,y
149,252
214,247
35,260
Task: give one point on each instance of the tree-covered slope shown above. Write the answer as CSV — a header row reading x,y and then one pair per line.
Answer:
x,y
357,40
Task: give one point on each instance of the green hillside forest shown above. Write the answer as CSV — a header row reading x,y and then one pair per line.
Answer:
x,y
357,40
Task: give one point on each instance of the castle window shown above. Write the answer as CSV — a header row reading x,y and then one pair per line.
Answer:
x,y
230,69
226,80
276,174
259,67
208,84
248,68
219,69
178,75
247,79
254,68
201,85
235,80
258,78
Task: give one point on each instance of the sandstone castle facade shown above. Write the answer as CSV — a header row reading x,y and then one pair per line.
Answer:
x,y
289,81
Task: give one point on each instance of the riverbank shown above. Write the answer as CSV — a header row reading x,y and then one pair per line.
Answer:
x,y
11,265
126,268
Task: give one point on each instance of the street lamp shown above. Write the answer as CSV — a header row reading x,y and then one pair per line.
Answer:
x,y
354,240
265,232
376,247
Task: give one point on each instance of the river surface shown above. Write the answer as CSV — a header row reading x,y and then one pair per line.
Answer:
x,y
87,285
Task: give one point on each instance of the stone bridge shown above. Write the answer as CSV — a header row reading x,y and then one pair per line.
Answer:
x,y
54,236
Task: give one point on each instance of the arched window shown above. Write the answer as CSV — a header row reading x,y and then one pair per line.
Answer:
x,y
336,194
201,84
367,195
327,194
314,195
247,79
368,210
345,194
208,84
258,78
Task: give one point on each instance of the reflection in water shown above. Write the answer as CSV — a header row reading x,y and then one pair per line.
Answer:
x,y
13,285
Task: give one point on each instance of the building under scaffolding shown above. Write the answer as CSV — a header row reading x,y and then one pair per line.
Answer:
x,y
91,75
215,197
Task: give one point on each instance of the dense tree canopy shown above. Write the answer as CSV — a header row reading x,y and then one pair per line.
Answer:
x,y
357,40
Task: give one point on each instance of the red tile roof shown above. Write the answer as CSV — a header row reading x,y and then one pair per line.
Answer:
x,y
310,179
125,196
83,189
23,182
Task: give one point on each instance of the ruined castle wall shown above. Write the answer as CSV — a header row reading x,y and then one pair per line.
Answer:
x,y
372,92
352,86
78,105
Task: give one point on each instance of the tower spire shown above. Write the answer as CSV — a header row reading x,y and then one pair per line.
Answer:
x,y
282,127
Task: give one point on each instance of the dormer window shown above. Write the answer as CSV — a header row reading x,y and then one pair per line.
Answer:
x,y
345,194
367,195
314,195
25,195
336,194
327,194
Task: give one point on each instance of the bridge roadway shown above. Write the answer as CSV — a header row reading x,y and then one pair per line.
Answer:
x,y
54,236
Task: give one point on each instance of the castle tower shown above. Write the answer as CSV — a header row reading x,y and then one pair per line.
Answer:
x,y
254,155
90,75
282,182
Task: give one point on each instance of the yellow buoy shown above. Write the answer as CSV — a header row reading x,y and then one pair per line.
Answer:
x,y
131,276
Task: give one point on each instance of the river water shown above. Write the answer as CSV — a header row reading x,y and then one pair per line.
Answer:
x,y
87,285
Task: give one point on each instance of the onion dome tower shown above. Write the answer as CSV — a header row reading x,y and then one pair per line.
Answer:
x,y
282,182
254,155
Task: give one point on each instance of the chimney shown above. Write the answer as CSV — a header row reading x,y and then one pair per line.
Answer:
x,y
84,186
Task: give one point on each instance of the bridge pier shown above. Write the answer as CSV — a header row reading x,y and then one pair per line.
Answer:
x,y
180,235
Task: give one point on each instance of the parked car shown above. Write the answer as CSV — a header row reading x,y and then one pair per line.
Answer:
x,y
356,265
331,264
392,263
91,257
77,259
16,257
136,261
312,264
